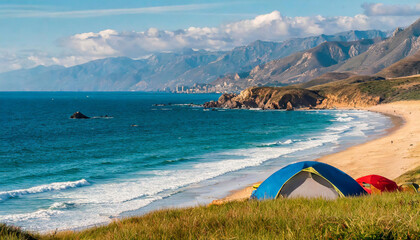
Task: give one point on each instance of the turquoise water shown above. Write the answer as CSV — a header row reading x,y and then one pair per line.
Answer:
x,y
61,173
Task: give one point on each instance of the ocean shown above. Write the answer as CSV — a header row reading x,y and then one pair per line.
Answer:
x,y
153,150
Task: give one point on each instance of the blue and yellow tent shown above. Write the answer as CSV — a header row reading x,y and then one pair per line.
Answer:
x,y
308,179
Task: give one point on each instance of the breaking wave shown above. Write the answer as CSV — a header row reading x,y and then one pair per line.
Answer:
x,y
57,186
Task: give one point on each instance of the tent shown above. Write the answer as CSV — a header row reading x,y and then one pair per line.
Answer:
x,y
409,187
377,184
308,179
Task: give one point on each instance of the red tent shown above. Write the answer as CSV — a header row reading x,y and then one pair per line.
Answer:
x,y
377,184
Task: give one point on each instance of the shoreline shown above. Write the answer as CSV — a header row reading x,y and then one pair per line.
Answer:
x,y
374,156
391,155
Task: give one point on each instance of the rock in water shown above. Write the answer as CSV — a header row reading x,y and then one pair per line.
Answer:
x,y
79,115
289,107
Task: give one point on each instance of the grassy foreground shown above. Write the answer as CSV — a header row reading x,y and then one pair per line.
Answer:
x,y
387,216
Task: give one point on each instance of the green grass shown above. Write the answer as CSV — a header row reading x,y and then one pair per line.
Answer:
x,y
387,216
357,88
410,176
391,90
10,232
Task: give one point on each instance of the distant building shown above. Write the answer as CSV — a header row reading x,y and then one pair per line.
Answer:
x,y
206,88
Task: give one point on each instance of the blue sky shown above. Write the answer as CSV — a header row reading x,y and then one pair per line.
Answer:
x,y
68,32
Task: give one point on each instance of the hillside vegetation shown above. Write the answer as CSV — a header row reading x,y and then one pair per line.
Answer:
x,y
387,216
359,91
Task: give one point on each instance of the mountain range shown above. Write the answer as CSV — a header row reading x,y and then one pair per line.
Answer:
x,y
168,70
402,43
301,66
109,74
358,57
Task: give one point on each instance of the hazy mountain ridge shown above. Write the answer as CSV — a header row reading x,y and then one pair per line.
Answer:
x,y
109,74
163,69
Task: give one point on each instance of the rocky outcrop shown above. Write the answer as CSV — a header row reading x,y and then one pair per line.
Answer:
x,y
289,107
79,115
268,98
227,100
290,99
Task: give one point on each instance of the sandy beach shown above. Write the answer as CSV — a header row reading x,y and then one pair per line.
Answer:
x,y
391,155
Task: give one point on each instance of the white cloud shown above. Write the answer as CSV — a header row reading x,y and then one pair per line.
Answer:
x,y
28,11
380,9
270,27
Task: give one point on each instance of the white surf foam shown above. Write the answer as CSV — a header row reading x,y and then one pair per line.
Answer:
x,y
344,119
37,215
340,128
278,143
42,188
62,205
356,123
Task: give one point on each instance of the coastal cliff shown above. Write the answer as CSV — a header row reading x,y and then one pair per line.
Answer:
x,y
268,98
353,92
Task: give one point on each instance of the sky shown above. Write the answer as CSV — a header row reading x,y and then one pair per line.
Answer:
x,y
71,32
